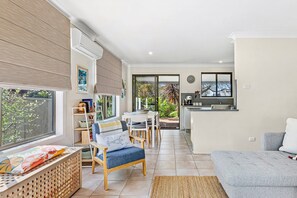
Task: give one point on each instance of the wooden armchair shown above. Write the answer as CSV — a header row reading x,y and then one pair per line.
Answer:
x,y
119,159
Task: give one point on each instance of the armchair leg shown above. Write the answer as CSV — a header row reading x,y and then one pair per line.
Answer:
x,y
148,136
105,180
144,168
93,166
159,133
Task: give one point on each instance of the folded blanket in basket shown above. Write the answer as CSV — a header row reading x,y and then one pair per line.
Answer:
x,y
26,160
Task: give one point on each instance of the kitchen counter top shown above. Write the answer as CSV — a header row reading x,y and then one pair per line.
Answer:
x,y
206,108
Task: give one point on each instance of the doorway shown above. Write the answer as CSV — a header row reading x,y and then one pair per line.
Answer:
x,y
158,93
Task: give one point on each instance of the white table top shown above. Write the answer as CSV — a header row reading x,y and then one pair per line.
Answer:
x,y
137,113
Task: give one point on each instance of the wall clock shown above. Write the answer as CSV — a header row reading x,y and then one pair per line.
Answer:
x,y
191,79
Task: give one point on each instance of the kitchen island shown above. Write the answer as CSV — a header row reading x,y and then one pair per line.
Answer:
x,y
213,129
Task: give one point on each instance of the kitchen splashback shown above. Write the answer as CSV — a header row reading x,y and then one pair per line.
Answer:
x,y
207,101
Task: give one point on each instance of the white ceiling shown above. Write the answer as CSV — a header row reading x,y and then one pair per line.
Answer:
x,y
180,31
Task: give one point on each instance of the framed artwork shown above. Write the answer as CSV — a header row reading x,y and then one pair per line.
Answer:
x,y
82,80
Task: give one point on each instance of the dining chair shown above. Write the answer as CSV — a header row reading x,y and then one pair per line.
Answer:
x,y
157,127
139,124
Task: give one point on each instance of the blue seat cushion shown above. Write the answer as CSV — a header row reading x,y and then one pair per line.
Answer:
x,y
123,156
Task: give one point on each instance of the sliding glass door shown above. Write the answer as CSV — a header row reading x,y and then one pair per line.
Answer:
x,y
145,93
158,93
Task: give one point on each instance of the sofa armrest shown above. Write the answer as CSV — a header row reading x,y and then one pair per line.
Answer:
x,y
272,141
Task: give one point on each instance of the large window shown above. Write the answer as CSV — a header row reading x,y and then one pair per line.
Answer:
x,y
25,115
106,107
216,84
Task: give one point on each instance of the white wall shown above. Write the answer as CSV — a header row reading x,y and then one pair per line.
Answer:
x,y
184,70
123,101
72,97
266,72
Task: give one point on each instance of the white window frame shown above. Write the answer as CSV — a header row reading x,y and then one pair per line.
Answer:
x,y
60,122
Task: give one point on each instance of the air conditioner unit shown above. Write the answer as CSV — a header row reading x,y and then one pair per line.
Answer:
x,y
82,43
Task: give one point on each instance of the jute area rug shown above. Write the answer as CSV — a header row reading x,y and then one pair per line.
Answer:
x,y
187,187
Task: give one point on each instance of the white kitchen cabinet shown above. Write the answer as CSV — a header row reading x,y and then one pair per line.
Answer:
x,y
185,118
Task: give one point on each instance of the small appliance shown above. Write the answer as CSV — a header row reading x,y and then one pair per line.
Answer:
x,y
188,100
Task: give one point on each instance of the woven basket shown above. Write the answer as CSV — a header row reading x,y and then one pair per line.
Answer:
x,y
83,124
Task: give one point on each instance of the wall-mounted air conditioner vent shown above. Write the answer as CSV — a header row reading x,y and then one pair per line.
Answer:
x,y
83,44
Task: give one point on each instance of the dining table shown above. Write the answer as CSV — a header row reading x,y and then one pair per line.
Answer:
x,y
149,114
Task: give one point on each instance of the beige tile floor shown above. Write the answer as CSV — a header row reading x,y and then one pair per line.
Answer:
x,y
173,157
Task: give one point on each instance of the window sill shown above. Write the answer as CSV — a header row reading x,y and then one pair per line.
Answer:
x,y
48,140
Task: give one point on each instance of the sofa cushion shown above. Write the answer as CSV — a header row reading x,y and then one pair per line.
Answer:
x,y
264,168
124,156
290,139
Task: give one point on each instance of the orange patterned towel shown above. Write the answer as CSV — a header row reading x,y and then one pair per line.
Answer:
x,y
24,161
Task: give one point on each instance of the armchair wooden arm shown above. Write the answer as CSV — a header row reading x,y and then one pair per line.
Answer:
x,y
141,140
99,146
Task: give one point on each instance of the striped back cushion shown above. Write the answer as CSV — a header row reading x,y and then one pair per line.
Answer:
x,y
111,127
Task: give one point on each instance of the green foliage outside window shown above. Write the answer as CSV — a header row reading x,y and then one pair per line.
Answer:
x,y
25,114
107,105
168,98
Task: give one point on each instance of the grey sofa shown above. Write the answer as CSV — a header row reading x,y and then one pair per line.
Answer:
x,y
264,174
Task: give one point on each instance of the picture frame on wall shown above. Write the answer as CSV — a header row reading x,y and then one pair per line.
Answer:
x,y
82,80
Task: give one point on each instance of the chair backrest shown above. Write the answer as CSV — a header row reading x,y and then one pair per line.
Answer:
x,y
139,118
142,119
115,126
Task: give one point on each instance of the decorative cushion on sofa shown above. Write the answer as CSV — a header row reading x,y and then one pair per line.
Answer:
x,y
24,161
290,139
124,156
114,141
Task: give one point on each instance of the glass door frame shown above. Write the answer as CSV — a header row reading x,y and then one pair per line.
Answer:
x,y
156,76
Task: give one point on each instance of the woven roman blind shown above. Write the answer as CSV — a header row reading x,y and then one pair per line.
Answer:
x,y
34,45
109,74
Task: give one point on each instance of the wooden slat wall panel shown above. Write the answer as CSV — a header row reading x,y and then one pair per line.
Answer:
x,y
31,77
34,45
109,74
14,54
47,13
24,19
21,37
